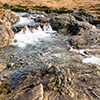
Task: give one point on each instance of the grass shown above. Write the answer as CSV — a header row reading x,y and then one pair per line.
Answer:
x,y
94,22
19,8
5,88
82,12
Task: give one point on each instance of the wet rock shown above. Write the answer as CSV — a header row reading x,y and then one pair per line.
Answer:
x,y
89,38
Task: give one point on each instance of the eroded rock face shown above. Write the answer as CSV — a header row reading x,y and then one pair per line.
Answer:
x,y
6,36
7,18
75,81
35,93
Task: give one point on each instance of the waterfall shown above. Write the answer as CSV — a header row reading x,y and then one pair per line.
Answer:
x,y
27,37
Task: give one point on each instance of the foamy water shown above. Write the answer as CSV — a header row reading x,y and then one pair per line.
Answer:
x,y
33,36
91,59
28,37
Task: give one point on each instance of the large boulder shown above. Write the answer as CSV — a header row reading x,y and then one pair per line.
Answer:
x,y
6,36
7,18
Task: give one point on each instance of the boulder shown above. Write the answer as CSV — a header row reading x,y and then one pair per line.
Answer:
x,y
36,12
84,15
7,18
6,36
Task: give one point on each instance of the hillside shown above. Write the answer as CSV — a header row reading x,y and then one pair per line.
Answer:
x,y
92,5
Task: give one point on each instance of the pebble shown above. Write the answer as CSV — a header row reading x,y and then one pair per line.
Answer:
x,y
50,65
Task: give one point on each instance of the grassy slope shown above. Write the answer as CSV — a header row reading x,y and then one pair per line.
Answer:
x,y
69,4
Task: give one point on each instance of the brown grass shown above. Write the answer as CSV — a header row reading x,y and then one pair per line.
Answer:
x,y
91,5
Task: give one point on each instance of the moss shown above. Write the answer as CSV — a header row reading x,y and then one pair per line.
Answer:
x,y
5,88
63,10
43,8
20,9
2,90
8,84
82,12
97,21
1,97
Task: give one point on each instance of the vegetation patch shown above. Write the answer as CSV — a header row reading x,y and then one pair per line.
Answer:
x,y
43,8
82,12
63,10
5,88
94,22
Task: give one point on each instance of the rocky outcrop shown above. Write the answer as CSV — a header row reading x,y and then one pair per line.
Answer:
x,y
2,67
84,15
80,32
6,36
7,18
70,82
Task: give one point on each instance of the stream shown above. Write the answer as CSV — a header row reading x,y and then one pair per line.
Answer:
x,y
36,48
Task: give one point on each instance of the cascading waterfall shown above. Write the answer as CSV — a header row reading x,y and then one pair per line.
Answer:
x,y
29,37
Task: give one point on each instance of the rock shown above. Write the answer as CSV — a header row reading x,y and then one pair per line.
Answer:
x,y
36,12
61,84
88,38
35,93
6,75
7,18
83,15
6,36
2,67
50,65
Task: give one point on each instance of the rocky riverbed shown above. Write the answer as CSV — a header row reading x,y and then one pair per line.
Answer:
x,y
52,56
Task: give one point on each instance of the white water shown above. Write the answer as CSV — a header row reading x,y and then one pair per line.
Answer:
x,y
24,21
31,37
92,59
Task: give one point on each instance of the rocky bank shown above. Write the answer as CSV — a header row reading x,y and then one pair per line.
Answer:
x,y
7,18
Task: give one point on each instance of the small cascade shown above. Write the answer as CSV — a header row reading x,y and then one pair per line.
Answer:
x,y
48,28
32,36
30,33
88,58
